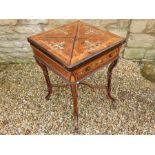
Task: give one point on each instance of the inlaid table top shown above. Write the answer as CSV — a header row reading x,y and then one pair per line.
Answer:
x,y
75,43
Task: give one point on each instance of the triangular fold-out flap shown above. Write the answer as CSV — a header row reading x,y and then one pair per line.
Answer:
x,y
61,48
87,31
86,47
66,31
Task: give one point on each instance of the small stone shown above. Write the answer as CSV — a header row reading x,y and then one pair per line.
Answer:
x,y
53,23
8,22
21,44
112,26
150,54
6,30
14,56
6,44
58,22
5,122
134,53
123,23
148,71
30,29
15,49
95,22
140,40
150,28
27,132
119,32
11,37
13,44
107,22
33,21
138,26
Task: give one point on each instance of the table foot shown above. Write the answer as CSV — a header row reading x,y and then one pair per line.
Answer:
x,y
47,79
48,95
109,96
76,127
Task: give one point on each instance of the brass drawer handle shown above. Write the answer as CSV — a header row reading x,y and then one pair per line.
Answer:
x,y
87,68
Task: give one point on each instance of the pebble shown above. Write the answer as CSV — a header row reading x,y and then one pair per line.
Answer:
x,y
24,110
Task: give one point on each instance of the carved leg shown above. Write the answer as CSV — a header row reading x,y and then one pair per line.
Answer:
x,y
45,71
109,73
75,104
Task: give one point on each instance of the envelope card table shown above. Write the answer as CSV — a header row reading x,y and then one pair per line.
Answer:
x,y
74,52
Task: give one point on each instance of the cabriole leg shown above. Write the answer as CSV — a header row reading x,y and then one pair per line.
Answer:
x,y
109,74
45,72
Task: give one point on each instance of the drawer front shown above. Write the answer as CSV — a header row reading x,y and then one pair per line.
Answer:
x,y
97,63
51,64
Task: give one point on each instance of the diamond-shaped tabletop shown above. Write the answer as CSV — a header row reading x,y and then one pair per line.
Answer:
x,y
74,43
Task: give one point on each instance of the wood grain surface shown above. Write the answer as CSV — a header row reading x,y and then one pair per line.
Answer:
x,y
75,43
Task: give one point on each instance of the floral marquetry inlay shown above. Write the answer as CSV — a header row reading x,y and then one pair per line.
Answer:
x,y
58,45
91,31
90,45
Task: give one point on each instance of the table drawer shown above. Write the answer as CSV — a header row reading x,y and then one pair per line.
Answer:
x,y
95,64
58,69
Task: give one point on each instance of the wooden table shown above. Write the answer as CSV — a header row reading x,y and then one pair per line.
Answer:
x,y
74,52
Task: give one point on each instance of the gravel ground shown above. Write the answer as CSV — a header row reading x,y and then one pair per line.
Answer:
x,y
23,109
